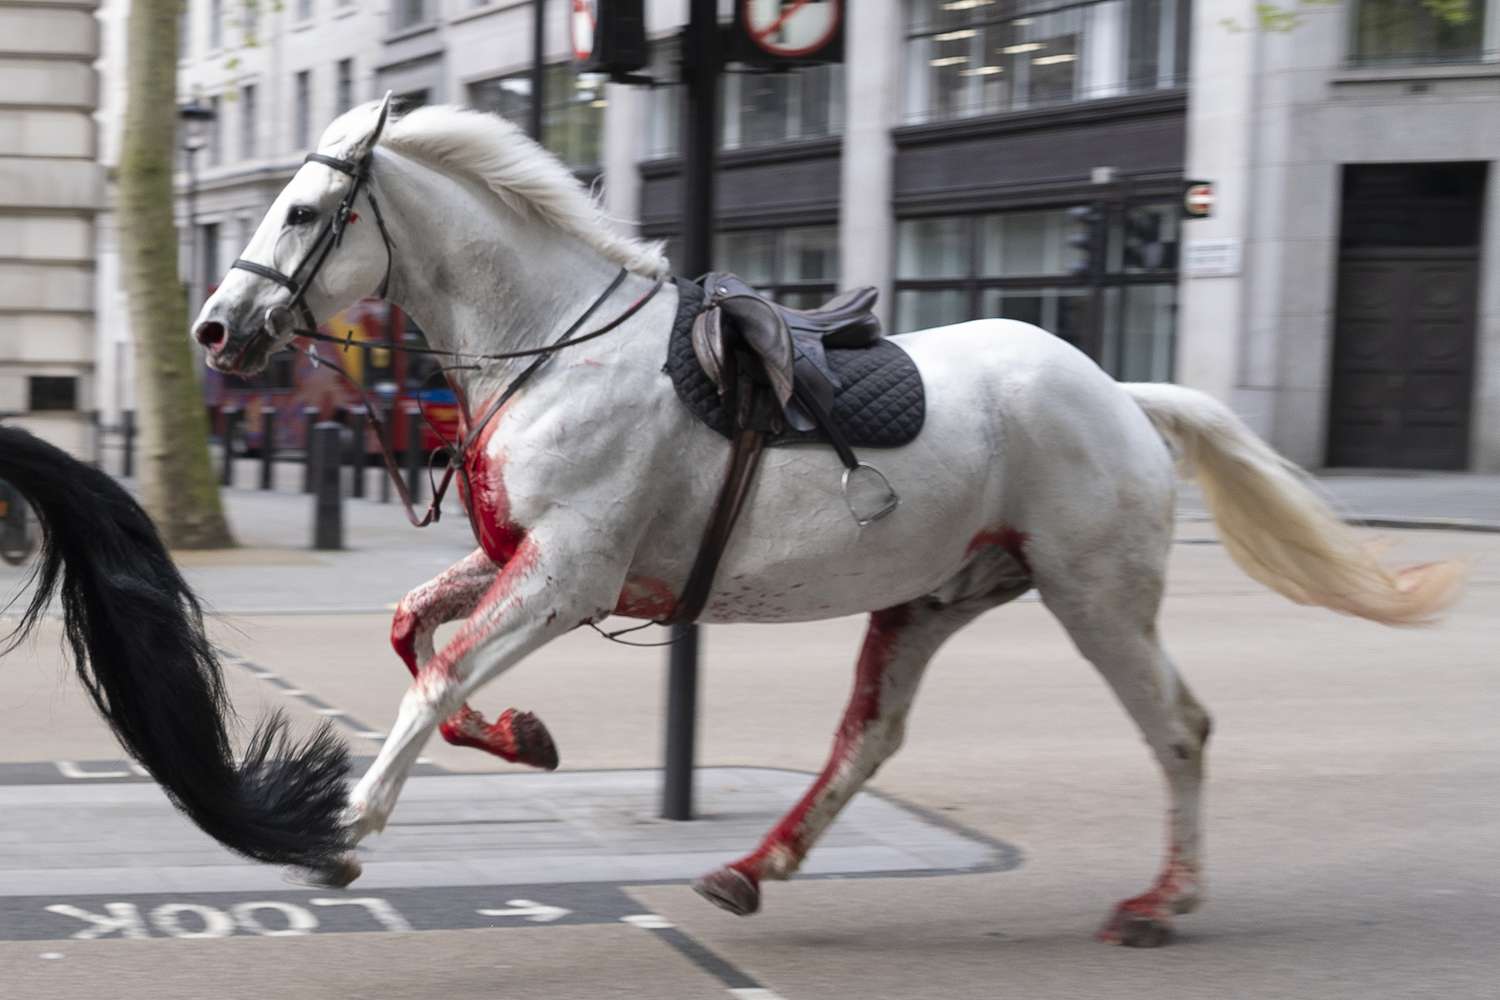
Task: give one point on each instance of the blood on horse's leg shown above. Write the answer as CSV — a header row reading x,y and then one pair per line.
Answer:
x,y
1111,616
897,647
518,737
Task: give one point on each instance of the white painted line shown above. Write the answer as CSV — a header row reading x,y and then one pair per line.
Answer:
x,y
537,913
293,692
372,735
264,675
647,921
754,993
331,711
49,955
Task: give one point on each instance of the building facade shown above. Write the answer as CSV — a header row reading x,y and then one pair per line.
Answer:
x,y
1019,158
50,189
1357,319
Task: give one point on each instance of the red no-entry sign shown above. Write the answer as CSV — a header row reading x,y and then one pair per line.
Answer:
x,y
1198,199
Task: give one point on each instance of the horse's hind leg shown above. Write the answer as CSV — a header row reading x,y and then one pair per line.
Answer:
x,y
519,737
898,645
1109,608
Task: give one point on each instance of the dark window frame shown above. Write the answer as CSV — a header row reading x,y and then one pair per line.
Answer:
x,y
59,393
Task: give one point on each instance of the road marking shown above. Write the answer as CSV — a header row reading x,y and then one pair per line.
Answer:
x,y
647,921
537,913
383,913
754,993
50,955
740,984
331,711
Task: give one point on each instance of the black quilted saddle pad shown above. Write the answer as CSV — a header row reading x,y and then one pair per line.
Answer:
x,y
881,405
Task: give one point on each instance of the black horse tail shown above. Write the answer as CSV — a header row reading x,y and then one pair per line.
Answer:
x,y
138,642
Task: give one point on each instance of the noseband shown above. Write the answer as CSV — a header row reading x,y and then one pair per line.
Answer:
x,y
329,236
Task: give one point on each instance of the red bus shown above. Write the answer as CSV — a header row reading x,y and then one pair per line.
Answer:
x,y
395,380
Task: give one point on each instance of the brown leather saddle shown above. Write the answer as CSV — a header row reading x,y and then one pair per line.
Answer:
x,y
770,366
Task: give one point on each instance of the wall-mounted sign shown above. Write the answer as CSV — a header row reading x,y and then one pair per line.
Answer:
x,y
788,32
1198,199
1211,258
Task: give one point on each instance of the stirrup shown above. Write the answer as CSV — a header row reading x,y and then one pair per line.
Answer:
x,y
892,501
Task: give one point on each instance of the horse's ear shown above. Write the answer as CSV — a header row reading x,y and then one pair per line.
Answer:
x,y
363,147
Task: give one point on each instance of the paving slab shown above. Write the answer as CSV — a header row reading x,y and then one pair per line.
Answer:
x,y
470,830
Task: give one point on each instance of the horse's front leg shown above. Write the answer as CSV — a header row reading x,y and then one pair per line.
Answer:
x,y
546,589
519,737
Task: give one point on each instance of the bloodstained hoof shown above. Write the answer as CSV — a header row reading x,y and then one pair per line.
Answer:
x,y
519,737
730,889
1136,930
532,741
338,874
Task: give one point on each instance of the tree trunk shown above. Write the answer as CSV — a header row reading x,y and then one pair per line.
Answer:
x,y
176,474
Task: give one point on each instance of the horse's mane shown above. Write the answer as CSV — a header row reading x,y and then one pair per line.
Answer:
x,y
519,171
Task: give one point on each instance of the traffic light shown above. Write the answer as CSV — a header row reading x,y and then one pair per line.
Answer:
x,y
1086,237
1149,244
609,36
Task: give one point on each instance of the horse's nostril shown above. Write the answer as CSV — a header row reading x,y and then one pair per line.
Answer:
x,y
211,334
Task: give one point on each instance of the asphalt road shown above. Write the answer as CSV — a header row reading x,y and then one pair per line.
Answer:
x,y
1353,826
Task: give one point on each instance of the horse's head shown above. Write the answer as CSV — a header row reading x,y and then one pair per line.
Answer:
x,y
319,249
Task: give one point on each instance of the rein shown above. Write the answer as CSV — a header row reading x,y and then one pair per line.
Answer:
x,y
457,451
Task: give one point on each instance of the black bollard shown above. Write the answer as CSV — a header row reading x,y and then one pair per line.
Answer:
x,y
328,505
268,448
310,420
414,452
127,424
357,421
231,423
385,478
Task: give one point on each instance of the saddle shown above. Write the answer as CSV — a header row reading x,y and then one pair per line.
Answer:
x,y
762,373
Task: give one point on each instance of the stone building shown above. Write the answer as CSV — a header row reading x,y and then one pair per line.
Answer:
x,y
1021,158
50,189
1357,322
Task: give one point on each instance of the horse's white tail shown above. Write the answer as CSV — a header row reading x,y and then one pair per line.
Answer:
x,y
1276,525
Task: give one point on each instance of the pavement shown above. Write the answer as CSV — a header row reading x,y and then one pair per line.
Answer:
x,y
1353,833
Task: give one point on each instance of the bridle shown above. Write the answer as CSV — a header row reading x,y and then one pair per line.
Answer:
x,y
330,236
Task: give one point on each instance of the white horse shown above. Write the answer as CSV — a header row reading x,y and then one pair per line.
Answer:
x,y
593,484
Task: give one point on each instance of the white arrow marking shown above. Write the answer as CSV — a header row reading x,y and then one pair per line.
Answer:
x,y
537,913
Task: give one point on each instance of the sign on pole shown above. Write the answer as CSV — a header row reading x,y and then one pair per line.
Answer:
x,y
785,33
1198,199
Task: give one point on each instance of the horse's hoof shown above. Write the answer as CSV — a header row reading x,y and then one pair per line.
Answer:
x,y
532,741
1136,930
730,889
336,875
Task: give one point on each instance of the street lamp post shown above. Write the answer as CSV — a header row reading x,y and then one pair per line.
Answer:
x,y
197,119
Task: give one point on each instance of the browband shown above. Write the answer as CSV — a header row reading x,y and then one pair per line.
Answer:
x,y
343,166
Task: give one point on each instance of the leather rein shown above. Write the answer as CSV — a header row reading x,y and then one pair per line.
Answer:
x,y
331,236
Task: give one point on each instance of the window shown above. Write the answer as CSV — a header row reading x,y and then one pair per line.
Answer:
x,y
208,257
249,21
1025,265
215,25
215,134
248,124
983,58
572,110
302,110
765,108
1389,32
344,88
798,267
759,108
304,10
408,14
52,392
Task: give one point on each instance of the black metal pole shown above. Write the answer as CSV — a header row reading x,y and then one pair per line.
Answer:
x,y
357,458
127,421
309,420
702,60
268,448
414,454
386,413
328,505
231,420
538,67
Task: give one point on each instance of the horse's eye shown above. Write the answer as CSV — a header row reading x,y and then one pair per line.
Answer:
x,y
300,215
